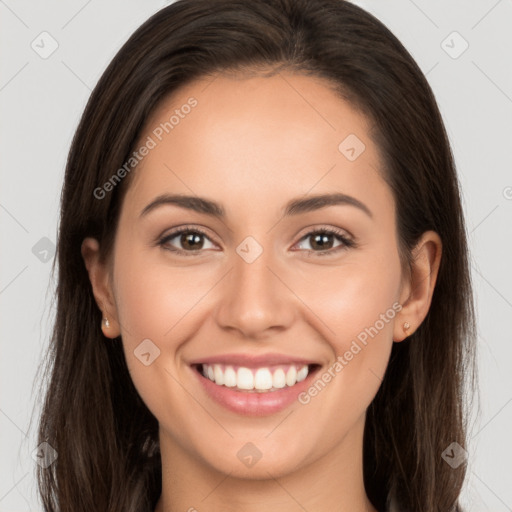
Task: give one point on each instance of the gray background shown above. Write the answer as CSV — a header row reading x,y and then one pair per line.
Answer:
x,y
41,100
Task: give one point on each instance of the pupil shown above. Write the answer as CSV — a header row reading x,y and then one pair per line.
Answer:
x,y
190,239
320,241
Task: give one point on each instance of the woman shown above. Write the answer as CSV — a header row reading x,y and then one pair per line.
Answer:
x,y
264,297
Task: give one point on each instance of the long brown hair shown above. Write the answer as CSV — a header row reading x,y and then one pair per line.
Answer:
x,y
105,436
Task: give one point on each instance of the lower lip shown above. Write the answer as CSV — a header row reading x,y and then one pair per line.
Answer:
x,y
254,404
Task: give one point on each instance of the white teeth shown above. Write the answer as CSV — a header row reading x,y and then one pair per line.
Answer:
x,y
259,380
291,376
263,379
229,377
279,379
244,379
302,374
219,375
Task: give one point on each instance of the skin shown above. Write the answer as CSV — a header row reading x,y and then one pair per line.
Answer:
x,y
252,144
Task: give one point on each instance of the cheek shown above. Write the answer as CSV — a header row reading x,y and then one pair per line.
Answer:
x,y
358,302
365,309
366,312
152,298
152,304
360,294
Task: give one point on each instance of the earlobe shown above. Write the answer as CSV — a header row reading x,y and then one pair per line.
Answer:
x,y
420,286
101,287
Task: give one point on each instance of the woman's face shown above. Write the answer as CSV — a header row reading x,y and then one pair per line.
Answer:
x,y
290,259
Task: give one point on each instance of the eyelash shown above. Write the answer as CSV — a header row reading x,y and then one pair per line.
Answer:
x,y
346,242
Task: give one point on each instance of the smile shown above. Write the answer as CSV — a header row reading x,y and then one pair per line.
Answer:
x,y
255,380
254,385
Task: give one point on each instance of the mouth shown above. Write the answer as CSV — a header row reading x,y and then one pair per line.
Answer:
x,y
263,379
254,384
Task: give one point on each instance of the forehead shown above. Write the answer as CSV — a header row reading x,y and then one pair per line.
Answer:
x,y
256,136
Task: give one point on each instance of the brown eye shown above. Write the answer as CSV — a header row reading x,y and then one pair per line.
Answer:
x,y
323,241
193,241
186,240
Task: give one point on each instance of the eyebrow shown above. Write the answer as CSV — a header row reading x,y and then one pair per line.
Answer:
x,y
293,207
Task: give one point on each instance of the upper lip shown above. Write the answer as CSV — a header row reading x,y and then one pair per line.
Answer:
x,y
253,361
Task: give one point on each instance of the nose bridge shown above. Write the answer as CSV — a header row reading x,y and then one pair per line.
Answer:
x,y
254,299
253,278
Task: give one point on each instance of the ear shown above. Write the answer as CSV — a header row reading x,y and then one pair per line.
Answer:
x,y
99,275
418,287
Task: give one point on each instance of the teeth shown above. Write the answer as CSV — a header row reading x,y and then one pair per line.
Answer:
x,y
259,380
302,374
263,379
291,376
219,375
244,379
279,379
229,377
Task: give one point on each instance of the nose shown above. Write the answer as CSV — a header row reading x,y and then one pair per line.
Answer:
x,y
256,300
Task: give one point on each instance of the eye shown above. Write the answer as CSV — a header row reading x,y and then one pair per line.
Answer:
x,y
321,241
192,240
